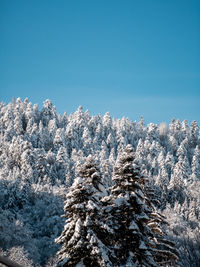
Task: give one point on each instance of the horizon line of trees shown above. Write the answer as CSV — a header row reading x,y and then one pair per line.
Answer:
x,y
40,156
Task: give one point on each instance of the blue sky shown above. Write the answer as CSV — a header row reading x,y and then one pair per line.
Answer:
x,y
131,58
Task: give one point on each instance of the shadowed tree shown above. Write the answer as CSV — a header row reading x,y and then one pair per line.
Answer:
x,y
137,238
82,238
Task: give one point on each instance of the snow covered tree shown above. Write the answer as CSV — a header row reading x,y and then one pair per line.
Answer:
x,y
52,127
18,126
16,256
172,126
44,138
196,165
107,124
133,219
48,112
178,133
140,151
182,149
87,142
98,135
27,162
173,144
141,129
58,139
81,239
169,163
185,129
110,142
62,163
152,132
162,179
179,180
194,133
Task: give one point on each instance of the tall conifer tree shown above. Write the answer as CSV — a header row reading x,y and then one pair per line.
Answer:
x,y
133,217
82,238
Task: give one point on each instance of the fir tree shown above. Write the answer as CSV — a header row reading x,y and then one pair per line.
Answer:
x,y
81,238
194,133
133,218
162,178
196,165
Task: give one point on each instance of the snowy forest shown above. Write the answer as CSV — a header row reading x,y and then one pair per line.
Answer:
x,y
83,190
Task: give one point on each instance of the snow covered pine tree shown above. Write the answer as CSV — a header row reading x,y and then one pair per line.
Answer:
x,y
81,240
133,219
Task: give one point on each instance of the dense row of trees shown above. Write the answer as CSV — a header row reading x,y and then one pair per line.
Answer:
x,y
42,153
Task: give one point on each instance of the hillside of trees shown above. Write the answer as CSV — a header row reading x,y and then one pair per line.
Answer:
x,y
49,161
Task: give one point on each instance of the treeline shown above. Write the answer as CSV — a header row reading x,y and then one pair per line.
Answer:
x,y
42,151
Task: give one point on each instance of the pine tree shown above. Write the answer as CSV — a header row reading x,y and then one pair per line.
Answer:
x,y
152,132
59,140
87,142
137,240
196,165
48,112
162,179
173,144
185,129
107,124
140,151
52,127
194,134
141,129
82,238
169,163
177,132
62,163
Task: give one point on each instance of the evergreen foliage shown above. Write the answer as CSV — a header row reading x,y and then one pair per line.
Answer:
x,y
137,236
40,155
81,239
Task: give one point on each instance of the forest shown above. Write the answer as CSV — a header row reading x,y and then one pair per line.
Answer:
x,y
83,190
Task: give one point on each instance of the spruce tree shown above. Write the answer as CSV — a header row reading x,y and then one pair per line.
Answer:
x,y
196,165
133,217
82,237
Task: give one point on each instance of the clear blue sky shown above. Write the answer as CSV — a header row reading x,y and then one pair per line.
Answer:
x,y
132,58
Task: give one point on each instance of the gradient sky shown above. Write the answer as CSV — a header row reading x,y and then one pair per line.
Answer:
x,y
131,58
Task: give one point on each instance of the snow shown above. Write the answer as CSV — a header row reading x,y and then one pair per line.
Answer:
x,y
40,155
142,246
120,201
91,205
133,226
80,264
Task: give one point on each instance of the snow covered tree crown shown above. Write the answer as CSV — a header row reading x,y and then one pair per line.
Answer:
x,y
125,167
90,170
